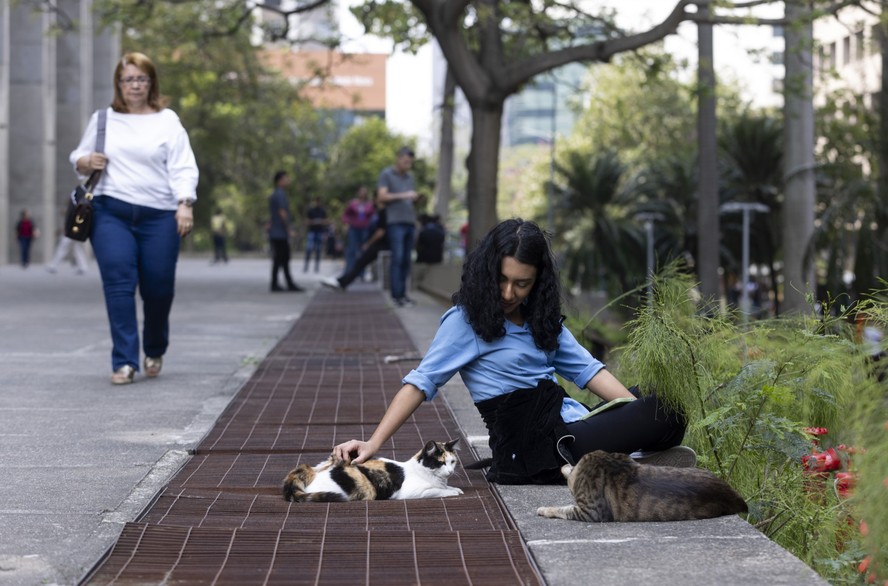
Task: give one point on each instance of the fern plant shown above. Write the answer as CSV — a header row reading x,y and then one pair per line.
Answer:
x,y
749,393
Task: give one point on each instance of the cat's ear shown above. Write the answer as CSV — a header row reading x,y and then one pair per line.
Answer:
x,y
449,445
430,449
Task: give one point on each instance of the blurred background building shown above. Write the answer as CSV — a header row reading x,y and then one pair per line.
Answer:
x,y
52,77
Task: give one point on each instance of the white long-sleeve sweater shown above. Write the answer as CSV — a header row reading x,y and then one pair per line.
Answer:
x,y
150,161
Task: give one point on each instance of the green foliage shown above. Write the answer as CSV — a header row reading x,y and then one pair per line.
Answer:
x,y
749,393
870,415
362,153
603,246
849,205
640,111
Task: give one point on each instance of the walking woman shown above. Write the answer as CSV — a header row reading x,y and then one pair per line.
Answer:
x,y
505,337
143,206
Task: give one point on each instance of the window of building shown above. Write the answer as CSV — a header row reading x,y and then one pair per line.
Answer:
x,y
874,40
846,50
859,45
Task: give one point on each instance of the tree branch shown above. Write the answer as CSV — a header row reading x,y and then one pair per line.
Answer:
x,y
600,51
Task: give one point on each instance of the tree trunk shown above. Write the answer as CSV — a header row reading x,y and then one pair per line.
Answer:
x,y
444,183
799,195
708,233
881,237
483,164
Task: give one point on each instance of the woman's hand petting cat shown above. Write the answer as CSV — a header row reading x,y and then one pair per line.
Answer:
x,y
354,451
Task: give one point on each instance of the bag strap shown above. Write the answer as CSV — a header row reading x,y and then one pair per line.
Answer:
x,y
100,148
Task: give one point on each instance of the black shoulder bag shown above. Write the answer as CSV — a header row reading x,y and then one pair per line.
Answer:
x,y
78,218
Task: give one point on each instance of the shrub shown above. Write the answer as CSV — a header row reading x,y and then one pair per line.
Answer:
x,y
751,394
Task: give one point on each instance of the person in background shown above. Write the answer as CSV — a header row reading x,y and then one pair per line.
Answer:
x,y
279,232
357,216
65,247
397,190
26,231
141,210
220,227
316,222
429,245
376,243
505,337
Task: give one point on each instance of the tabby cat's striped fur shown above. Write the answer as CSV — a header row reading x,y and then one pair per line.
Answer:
x,y
613,487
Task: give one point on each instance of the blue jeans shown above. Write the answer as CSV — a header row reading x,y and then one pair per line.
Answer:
x,y
135,246
400,237
25,248
354,239
314,244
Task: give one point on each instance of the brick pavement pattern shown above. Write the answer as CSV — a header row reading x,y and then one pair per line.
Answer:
x,y
222,518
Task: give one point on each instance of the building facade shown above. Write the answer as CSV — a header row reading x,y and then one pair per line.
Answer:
x,y
55,70
348,87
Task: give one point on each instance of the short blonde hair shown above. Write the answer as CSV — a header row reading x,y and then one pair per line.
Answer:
x,y
155,100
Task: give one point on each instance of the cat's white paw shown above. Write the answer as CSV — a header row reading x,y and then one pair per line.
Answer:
x,y
544,511
455,491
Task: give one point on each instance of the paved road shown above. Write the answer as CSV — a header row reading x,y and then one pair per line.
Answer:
x,y
79,457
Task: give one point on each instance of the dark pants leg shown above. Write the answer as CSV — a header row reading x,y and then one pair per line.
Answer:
x,y
280,261
643,424
400,237
361,263
219,248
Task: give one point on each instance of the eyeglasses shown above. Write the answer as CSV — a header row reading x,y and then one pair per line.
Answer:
x,y
135,80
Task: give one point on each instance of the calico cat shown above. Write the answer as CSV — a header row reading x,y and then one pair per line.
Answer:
x,y
333,480
613,487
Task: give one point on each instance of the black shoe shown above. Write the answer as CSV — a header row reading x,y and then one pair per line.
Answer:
x,y
295,288
276,289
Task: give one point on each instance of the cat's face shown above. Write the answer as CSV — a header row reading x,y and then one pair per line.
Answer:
x,y
438,457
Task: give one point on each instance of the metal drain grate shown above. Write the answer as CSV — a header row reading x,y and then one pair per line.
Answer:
x,y
150,554
222,519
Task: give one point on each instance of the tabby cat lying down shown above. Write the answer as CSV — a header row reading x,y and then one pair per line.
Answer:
x,y
333,480
613,487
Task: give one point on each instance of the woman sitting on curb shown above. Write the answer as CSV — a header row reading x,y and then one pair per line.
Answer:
x,y
505,337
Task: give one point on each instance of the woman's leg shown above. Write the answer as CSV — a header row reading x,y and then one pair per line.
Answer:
x,y
643,424
158,244
114,246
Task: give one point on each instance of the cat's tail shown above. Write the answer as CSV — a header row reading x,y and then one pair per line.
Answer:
x,y
483,463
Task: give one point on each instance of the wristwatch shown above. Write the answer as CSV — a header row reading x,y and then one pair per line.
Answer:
x,y
186,202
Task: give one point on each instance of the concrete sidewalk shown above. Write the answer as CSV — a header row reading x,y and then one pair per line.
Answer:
x,y
81,457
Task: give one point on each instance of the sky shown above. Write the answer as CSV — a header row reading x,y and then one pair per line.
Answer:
x,y
409,99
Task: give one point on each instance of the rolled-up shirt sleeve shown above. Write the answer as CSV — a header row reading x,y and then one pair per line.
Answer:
x,y
573,362
454,346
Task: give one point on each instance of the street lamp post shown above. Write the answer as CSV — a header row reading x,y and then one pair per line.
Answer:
x,y
649,218
746,208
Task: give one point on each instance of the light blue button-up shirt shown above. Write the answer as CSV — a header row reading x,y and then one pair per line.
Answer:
x,y
490,369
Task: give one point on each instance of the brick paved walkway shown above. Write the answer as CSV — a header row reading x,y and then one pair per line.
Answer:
x,y
222,519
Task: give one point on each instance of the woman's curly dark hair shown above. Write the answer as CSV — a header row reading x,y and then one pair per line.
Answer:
x,y
479,293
